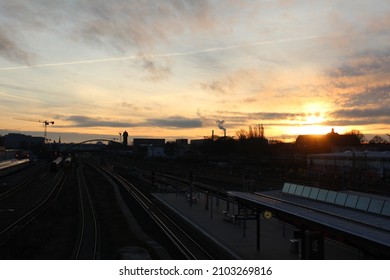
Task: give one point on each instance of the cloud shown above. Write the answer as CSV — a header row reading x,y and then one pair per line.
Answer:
x,y
10,50
123,24
362,65
278,116
154,69
85,121
357,116
237,82
367,107
236,118
35,14
154,56
130,106
379,24
362,82
225,87
168,122
370,97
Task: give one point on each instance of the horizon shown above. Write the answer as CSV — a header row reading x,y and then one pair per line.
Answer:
x,y
69,137
179,69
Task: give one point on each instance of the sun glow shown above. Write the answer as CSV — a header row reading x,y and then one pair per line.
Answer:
x,y
312,122
311,129
314,118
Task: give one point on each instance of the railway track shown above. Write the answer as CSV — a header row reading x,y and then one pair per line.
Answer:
x,y
188,245
9,190
87,241
25,206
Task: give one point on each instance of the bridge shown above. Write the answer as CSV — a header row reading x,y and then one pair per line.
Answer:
x,y
91,145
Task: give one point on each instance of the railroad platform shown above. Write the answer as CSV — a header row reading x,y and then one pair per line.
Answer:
x,y
215,219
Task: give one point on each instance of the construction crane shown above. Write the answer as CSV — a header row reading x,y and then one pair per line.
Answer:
x,y
45,124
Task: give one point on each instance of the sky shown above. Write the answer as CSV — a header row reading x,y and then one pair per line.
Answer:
x,y
179,68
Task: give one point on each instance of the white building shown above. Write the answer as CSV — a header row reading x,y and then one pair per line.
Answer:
x,y
373,164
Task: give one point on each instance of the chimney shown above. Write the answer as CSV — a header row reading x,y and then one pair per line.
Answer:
x,y
212,135
224,133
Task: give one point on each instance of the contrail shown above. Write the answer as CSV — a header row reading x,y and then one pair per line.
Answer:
x,y
135,57
70,63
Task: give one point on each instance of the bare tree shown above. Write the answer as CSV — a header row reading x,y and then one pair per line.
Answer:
x,y
255,131
242,134
378,140
358,134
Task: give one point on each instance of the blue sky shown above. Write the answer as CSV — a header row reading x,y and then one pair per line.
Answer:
x,y
174,68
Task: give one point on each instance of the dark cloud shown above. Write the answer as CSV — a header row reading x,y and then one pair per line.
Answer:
x,y
370,71
361,68
372,96
235,118
359,116
363,64
168,122
370,114
175,122
84,121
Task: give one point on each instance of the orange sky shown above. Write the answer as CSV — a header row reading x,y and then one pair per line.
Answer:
x,y
172,69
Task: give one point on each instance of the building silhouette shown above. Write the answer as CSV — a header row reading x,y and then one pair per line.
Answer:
x,y
325,143
22,141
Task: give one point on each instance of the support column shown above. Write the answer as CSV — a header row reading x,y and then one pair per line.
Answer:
x,y
258,231
211,206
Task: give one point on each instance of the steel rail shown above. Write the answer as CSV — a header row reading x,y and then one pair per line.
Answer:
x,y
170,228
82,244
20,185
42,204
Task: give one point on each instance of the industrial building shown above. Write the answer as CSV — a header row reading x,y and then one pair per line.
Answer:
x,y
149,147
22,141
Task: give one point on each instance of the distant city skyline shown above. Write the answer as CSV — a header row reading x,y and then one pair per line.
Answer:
x,y
69,137
179,68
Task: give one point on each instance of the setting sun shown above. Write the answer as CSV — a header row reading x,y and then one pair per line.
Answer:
x,y
312,120
310,129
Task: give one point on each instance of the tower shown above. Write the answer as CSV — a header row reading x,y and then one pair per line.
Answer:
x,y
125,135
